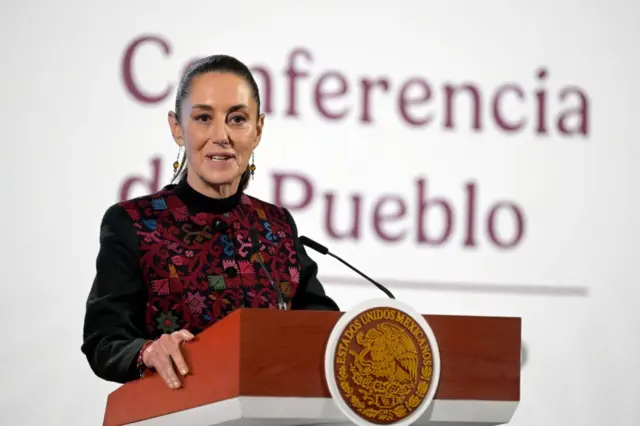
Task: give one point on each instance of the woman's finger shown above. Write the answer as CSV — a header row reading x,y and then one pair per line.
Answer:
x,y
178,359
182,335
163,365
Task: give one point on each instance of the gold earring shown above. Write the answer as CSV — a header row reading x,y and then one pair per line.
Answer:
x,y
176,164
252,167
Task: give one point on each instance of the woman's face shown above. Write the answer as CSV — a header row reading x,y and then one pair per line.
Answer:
x,y
219,129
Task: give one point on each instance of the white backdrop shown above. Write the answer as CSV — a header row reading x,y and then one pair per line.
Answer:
x,y
73,133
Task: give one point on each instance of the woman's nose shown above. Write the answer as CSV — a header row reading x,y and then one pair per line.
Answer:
x,y
219,132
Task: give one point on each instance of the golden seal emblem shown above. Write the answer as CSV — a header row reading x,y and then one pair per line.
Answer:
x,y
382,364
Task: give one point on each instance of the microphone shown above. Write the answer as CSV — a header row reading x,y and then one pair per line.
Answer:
x,y
253,235
323,250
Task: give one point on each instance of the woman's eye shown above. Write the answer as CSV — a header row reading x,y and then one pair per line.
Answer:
x,y
205,118
238,119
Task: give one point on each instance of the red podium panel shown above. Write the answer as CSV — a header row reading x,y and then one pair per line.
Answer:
x,y
267,367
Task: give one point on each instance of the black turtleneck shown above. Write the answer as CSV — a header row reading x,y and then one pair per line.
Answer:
x,y
163,266
198,202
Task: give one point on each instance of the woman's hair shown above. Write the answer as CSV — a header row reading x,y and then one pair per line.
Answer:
x,y
221,64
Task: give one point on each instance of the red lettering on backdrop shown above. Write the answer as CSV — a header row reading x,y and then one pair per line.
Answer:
x,y
128,72
148,185
430,219
404,101
508,108
292,75
398,222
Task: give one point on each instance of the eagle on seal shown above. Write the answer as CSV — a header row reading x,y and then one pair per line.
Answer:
x,y
388,353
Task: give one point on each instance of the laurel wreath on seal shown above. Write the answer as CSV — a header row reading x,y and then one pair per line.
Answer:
x,y
370,387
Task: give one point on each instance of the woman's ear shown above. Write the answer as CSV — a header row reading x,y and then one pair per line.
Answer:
x,y
176,128
259,127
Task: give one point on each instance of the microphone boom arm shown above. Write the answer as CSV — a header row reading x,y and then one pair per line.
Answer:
x,y
383,289
306,241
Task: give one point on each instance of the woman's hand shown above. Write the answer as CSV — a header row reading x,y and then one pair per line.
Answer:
x,y
164,353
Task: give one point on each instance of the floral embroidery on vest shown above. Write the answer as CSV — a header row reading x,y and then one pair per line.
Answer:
x,y
199,268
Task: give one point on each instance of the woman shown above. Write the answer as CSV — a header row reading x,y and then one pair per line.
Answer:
x,y
175,262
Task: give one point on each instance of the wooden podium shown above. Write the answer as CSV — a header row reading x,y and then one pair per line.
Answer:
x,y
266,367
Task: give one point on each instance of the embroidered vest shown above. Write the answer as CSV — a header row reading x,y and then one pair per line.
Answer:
x,y
198,268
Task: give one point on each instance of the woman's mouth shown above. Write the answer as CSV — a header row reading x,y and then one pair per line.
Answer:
x,y
221,157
